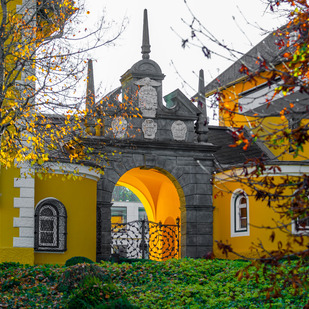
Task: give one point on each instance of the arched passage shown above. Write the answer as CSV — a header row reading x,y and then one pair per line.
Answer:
x,y
170,185
159,237
157,192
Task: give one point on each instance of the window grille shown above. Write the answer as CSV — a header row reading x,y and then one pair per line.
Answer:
x,y
50,230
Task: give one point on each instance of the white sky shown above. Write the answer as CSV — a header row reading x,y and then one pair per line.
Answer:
x,y
217,16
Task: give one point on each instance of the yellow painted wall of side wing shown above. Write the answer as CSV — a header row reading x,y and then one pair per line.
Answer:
x,y
79,198
7,213
260,215
20,255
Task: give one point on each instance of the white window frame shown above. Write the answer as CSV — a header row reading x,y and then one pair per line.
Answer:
x,y
301,231
236,230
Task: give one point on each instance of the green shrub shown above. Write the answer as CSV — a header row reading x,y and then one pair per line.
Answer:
x,y
9,284
77,260
120,303
93,292
184,283
74,276
8,265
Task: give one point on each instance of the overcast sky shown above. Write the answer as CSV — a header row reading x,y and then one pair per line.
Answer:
x,y
222,18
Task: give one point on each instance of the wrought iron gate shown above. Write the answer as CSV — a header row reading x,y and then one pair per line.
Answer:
x,y
146,239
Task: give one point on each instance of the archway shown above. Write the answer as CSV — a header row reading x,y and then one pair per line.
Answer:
x,y
156,190
158,237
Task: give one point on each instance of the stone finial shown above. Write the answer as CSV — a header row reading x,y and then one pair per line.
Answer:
x,y
90,99
202,122
90,96
145,44
201,95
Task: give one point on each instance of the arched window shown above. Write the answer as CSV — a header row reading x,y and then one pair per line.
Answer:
x,y
239,214
50,229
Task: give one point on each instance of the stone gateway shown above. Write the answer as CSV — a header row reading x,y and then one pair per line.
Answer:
x,y
160,159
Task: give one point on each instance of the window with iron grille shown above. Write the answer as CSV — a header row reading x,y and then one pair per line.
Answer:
x,y
50,230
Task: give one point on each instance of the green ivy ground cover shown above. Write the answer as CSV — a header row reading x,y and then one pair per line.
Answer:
x,y
184,283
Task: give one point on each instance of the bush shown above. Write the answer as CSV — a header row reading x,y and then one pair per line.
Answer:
x,y
74,276
8,265
77,260
93,292
121,303
9,284
184,283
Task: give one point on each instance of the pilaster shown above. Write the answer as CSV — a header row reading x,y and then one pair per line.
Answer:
x,y
25,203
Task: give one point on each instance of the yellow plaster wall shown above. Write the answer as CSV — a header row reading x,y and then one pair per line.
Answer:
x,y
279,147
168,205
20,255
79,198
7,210
259,215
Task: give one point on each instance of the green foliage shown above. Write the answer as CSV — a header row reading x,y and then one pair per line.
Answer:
x,y
77,260
92,292
189,283
121,303
8,265
184,283
25,286
75,275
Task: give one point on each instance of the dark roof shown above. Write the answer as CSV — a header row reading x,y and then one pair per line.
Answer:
x,y
300,107
228,156
267,49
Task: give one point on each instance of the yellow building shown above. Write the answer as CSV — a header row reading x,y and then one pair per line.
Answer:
x,y
248,109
